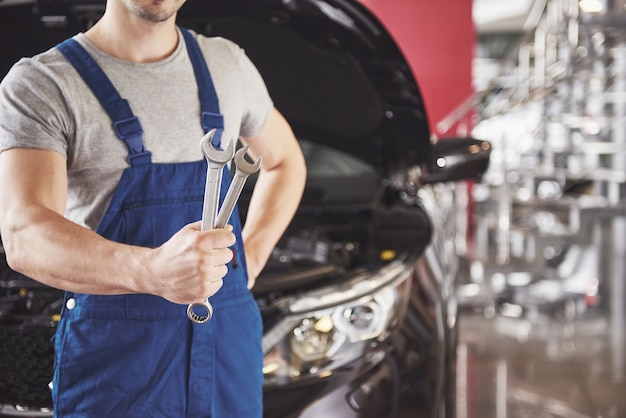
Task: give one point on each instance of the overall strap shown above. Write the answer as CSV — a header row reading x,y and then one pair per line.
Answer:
x,y
125,123
211,116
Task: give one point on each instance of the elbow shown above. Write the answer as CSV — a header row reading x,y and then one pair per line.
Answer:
x,y
13,259
299,169
15,255
303,174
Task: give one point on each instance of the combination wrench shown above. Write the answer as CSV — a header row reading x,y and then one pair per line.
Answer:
x,y
217,160
243,170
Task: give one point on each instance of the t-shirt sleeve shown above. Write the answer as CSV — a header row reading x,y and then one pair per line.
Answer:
x,y
30,103
257,101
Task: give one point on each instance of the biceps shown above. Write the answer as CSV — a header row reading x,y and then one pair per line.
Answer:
x,y
275,143
32,177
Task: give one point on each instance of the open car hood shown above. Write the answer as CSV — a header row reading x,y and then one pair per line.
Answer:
x,y
331,68
351,99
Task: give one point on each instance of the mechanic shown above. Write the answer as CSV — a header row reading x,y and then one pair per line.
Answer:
x,y
102,186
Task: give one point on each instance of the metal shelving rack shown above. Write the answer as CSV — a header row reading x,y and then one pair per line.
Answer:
x,y
557,181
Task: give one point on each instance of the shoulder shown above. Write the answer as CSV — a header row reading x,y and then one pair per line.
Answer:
x,y
219,43
46,70
218,47
35,96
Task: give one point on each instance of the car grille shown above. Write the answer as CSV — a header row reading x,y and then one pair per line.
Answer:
x,y
26,362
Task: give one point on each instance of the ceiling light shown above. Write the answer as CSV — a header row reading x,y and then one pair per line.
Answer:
x,y
590,6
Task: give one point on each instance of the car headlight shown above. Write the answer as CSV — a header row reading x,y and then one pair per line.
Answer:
x,y
328,328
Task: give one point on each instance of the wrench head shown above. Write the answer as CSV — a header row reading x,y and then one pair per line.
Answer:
x,y
243,165
213,154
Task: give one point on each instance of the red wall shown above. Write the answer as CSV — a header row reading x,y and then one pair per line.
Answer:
x,y
438,39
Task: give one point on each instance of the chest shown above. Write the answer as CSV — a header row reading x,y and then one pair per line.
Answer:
x,y
165,100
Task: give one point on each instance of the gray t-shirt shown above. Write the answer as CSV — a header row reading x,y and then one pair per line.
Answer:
x,y
45,104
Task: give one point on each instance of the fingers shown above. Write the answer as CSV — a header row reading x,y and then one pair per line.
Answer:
x,y
215,258
191,265
212,262
209,288
198,227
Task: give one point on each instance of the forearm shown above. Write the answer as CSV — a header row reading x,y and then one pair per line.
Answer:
x,y
187,268
274,202
42,244
277,192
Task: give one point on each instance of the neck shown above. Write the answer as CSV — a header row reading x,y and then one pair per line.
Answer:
x,y
125,35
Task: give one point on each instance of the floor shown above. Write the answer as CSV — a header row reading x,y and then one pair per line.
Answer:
x,y
511,368
513,364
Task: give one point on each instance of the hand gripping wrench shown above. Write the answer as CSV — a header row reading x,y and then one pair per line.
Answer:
x,y
216,159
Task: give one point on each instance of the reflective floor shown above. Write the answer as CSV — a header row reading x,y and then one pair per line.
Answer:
x,y
543,324
547,366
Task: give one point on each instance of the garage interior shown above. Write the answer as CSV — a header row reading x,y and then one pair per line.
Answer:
x,y
541,313
542,323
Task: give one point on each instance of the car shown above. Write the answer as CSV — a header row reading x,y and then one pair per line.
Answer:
x,y
357,299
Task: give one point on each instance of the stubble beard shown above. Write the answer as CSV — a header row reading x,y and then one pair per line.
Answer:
x,y
152,11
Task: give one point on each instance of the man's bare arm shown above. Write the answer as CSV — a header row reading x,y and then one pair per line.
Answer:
x,y
277,192
41,243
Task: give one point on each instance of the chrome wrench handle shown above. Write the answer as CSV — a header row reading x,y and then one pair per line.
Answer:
x,y
244,169
216,160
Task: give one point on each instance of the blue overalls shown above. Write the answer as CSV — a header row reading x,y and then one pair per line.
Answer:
x,y
139,355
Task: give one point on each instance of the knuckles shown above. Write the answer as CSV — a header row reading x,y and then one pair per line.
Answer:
x,y
217,238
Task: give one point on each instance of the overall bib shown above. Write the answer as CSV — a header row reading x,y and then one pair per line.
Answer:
x,y
139,355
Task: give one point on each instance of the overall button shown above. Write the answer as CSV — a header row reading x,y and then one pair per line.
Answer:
x,y
71,303
201,388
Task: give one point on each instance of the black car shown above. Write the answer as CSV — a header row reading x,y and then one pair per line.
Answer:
x,y
357,299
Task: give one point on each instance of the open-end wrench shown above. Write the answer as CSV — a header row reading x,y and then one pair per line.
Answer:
x,y
216,159
244,169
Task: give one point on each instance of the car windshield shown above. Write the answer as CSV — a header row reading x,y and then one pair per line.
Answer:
x,y
324,161
334,176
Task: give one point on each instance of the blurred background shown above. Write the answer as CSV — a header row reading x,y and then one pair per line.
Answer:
x,y
540,302
542,323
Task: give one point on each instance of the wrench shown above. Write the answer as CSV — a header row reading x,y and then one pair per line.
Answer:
x,y
244,169
216,159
